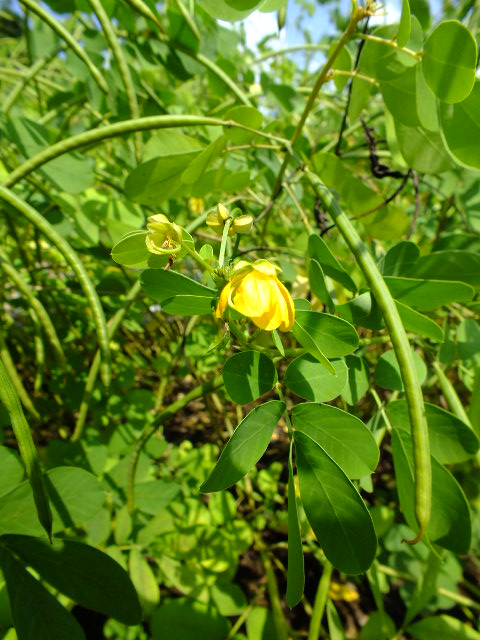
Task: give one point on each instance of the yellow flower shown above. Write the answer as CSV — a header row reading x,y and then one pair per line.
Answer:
x,y
164,237
255,292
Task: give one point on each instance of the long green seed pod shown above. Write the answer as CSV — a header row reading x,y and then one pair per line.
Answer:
x,y
26,446
403,352
60,30
120,128
36,305
71,257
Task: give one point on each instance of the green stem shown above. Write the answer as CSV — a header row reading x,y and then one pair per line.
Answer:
x,y
223,246
122,66
199,391
23,82
198,258
403,352
121,128
320,602
26,446
279,621
71,257
451,396
292,49
36,305
60,30
9,366
389,43
113,325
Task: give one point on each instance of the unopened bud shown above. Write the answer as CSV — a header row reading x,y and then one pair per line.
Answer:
x,y
214,222
243,223
222,211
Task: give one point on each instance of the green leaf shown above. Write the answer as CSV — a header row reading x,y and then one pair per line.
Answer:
x,y
461,128
295,566
426,295
341,435
36,613
243,5
387,372
426,104
422,150
444,627
358,380
246,446
343,62
131,250
450,522
188,620
248,375
318,249
384,62
405,26
388,223
418,323
399,259
75,496
335,510
307,341
248,117
152,496
451,440
309,379
400,96
362,310
178,294
84,574
441,265
144,580
317,283
449,61
200,163
12,468
71,172
228,598
220,10
333,336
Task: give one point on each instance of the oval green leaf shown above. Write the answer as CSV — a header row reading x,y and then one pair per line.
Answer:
x,y
246,446
131,250
427,295
449,61
460,128
246,116
334,508
176,293
387,372
450,521
343,436
309,379
333,336
248,375
451,440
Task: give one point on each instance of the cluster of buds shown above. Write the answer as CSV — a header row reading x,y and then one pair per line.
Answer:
x,y
217,219
164,237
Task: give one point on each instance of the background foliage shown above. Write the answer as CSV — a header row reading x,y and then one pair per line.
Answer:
x,y
116,110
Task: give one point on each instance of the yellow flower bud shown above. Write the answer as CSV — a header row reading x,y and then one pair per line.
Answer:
x,y
255,292
164,237
214,222
223,212
243,224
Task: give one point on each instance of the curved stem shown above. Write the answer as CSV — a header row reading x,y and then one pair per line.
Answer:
x,y
122,66
71,257
60,30
8,364
121,128
403,352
